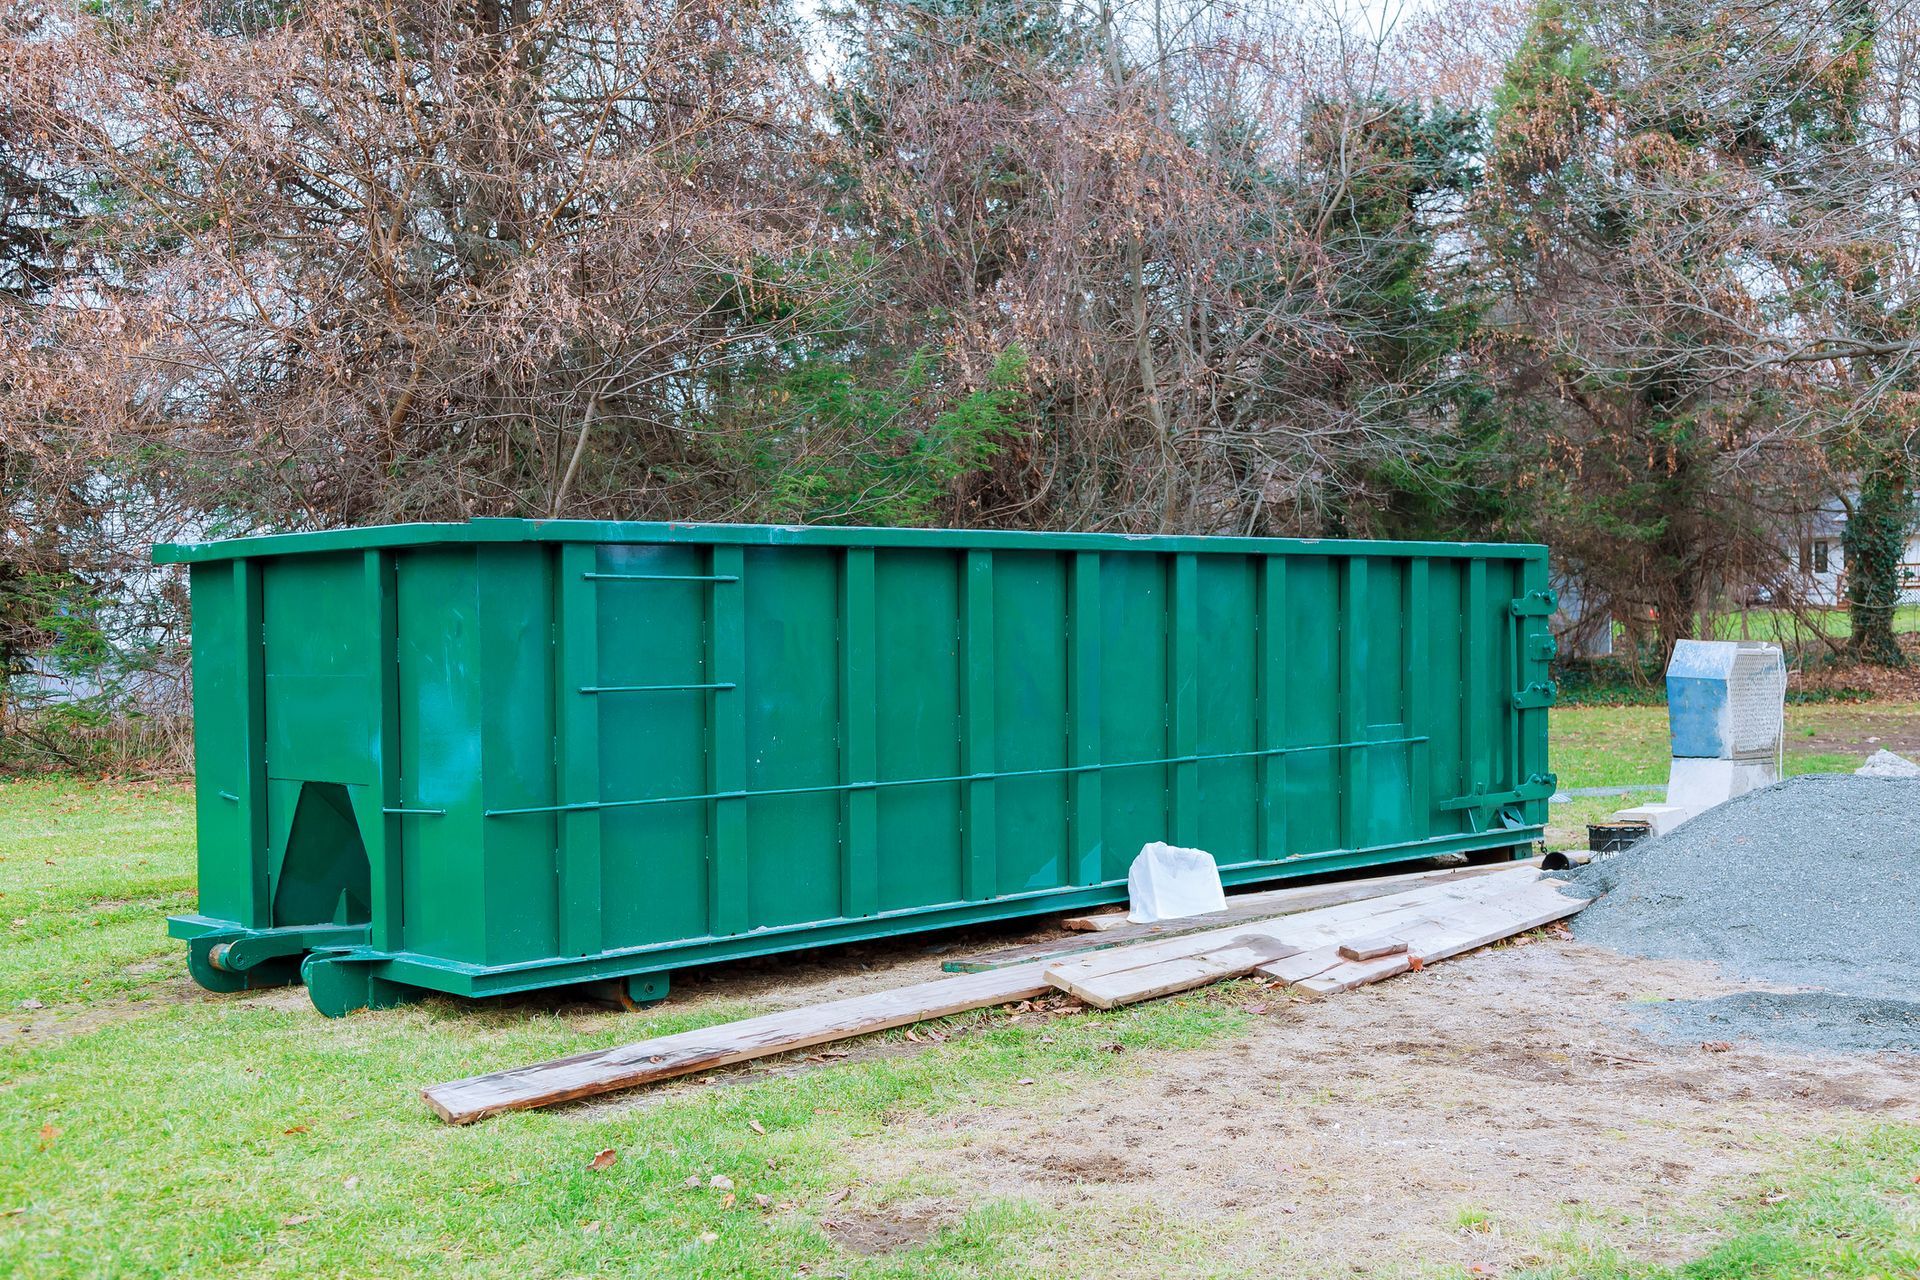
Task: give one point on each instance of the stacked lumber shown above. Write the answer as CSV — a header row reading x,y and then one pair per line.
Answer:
x,y
1433,923
1318,952
1112,928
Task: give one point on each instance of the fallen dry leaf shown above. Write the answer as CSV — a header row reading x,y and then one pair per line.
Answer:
x,y
48,1132
729,1201
720,1182
764,1201
708,1237
603,1160
757,1127
296,1219
299,1128
1716,1046
692,1183
31,1003
840,1195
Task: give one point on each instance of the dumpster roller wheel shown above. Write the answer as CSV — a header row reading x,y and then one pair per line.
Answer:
x,y
644,990
339,984
206,952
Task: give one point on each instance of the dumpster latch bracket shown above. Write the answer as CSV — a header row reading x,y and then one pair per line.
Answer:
x,y
1535,604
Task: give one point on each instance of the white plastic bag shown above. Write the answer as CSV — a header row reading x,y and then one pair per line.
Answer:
x,y
1166,882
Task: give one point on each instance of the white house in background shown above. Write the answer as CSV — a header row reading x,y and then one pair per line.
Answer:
x,y
1819,564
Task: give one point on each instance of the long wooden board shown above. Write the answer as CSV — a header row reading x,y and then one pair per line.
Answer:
x,y
1111,929
1129,986
603,1071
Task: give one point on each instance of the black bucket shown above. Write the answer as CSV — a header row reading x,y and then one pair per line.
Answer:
x,y
1612,837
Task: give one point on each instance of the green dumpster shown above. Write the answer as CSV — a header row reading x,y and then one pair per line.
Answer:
x,y
502,755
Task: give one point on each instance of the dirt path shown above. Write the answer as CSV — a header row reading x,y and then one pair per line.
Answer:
x,y
1450,1117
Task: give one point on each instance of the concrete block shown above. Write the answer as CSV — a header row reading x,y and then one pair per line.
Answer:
x,y
1698,785
1660,818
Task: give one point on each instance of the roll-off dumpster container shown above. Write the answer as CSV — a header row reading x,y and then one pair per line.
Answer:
x,y
489,757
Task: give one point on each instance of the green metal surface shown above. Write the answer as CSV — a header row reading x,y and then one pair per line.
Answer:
x,y
504,755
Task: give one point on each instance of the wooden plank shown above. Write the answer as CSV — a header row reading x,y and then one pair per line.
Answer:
x,y
1129,986
1307,929
586,1075
1370,948
1354,973
1301,965
1529,911
1438,938
1115,930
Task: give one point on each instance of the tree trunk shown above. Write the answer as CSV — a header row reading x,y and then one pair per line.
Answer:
x,y
1874,545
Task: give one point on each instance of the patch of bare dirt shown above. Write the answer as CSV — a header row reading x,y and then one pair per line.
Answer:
x,y
1449,1117
884,1230
1852,729
37,1026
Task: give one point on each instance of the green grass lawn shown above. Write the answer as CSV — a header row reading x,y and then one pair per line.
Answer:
x,y
1781,624
153,1131
1627,746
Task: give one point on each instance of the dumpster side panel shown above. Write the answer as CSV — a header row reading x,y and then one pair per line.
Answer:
x,y
441,695
1380,791
531,910
1311,777
230,804
1133,699
917,681
791,690
1030,719
1226,704
1442,720
654,612
320,673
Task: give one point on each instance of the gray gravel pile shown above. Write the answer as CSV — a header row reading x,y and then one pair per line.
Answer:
x,y
1812,883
